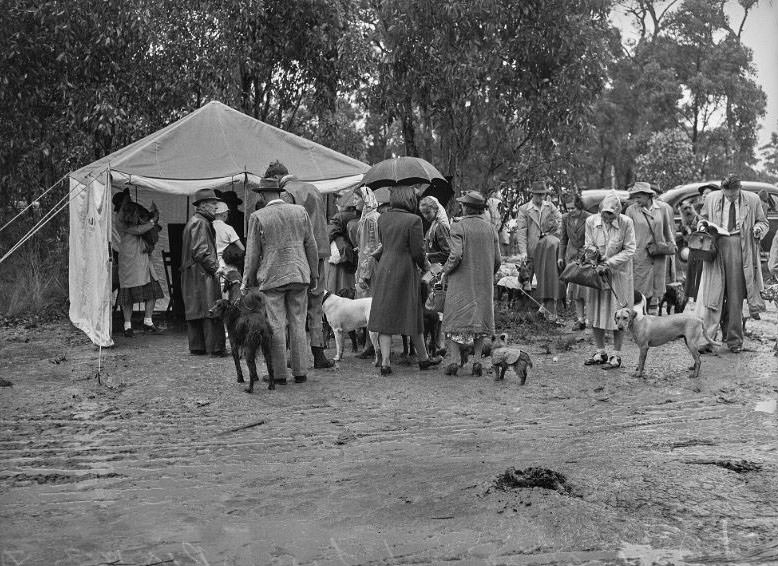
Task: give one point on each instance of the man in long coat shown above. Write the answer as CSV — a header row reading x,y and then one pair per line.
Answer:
x,y
199,285
309,197
653,221
537,219
736,273
282,261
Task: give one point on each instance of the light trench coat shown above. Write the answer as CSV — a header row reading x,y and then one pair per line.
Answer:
x,y
135,267
616,243
712,281
650,271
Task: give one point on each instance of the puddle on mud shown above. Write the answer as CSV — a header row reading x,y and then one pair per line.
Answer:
x,y
766,406
533,477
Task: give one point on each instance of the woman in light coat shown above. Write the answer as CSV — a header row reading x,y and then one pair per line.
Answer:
x,y
138,282
613,235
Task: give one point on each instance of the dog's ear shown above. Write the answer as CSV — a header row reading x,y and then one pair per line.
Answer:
x,y
504,337
632,314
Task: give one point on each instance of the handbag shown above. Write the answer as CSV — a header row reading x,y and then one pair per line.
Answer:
x,y
436,300
702,245
582,273
655,249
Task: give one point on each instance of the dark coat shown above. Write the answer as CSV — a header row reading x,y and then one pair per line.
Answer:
x,y
397,306
199,286
437,243
309,197
474,258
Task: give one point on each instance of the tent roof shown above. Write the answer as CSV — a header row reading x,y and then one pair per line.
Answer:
x,y
217,141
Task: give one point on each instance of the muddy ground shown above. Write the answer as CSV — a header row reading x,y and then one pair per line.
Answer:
x,y
155,464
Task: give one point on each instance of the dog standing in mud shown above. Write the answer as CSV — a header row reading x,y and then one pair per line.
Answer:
x,y
345,315
505,356
649,331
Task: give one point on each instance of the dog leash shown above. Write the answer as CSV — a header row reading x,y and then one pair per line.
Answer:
x,y
607,278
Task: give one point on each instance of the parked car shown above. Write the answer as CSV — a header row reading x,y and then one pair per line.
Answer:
x,y
680,195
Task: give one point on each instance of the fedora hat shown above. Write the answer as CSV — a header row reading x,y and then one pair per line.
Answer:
x,y
267,184
538,187
710,186
204,194
230,197
641,187
473,198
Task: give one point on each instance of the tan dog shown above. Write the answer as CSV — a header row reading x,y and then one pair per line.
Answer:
x,y
648,331
343,315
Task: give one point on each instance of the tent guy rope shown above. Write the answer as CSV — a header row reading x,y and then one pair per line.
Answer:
x,y
7,224
58,207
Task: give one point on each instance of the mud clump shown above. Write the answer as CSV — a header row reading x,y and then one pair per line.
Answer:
x,y
533,477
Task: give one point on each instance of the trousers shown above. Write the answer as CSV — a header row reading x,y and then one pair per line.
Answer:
x,y
286,307
314,318
205,335
730,316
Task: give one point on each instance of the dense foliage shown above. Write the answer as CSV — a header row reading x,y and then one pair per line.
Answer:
x,y
494,92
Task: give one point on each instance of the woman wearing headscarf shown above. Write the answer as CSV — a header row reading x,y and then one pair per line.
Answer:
x,y
468,315
613,235
570,245
397,305
343,264
436,241
367,242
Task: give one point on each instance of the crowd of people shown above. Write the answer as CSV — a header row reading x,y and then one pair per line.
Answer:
x,y
379,248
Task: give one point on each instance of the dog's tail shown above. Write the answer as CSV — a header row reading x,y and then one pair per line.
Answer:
x,y
708,338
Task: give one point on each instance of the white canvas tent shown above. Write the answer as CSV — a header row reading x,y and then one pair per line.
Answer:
x,y
213,147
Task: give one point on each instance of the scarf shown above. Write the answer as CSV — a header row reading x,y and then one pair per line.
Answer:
x,y
441,215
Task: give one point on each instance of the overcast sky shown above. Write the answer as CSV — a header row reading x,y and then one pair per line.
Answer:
x,y
761,35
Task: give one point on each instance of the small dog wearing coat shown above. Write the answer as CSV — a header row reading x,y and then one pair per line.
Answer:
x,y
504,356
648,331
345,315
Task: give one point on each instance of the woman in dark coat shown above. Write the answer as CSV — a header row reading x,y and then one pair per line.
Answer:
x,y
468,316
397,305
570,246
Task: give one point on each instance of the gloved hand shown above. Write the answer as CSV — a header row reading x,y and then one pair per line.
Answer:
x,y
602,268
560,263
759,232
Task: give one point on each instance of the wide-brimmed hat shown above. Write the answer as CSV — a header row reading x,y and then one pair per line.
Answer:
x,y
473,198
538,187
230,197
641,187
204,194
267,184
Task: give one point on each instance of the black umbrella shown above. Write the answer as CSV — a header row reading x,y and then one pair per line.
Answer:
x,y
402,171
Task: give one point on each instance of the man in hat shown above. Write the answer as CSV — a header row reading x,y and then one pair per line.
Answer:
x,y
282,261
538,219
235,216
654,232
736,273
199,284
309,197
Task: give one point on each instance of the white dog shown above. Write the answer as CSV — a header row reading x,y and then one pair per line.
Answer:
x,y
345,315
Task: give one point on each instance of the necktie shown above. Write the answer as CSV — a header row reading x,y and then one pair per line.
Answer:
x,y
732,222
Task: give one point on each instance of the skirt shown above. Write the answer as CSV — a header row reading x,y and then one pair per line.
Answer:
x,y
151,291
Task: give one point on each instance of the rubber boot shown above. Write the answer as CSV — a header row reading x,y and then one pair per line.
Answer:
x,y
368,353
320,361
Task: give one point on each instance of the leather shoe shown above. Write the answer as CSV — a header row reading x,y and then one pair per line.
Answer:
x,y
300,378
197,352
128,333
429,362
386,370
151,329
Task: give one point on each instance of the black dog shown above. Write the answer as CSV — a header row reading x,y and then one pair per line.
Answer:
x,y
675,297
